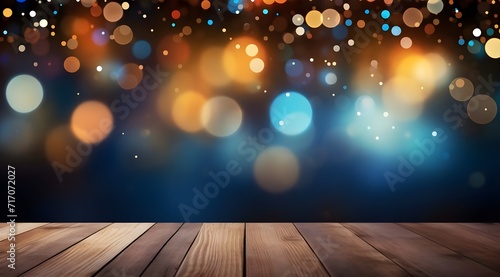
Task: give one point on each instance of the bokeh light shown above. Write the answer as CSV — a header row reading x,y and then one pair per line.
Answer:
x,y
461,89
492,48
186,111
413,17
276,169
123,34
291,113
314,19
221,116
56,142
112,12
71,64
129,76
91,122
24,93
331,18
482,109
236,54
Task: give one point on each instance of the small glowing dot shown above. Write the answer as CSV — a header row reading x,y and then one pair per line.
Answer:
x,y
358,113
136,156
287,94
377,137
386,114
99,68
123,133
393,127
434,133
281,123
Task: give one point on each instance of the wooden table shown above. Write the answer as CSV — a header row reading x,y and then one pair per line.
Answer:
x,y
253,249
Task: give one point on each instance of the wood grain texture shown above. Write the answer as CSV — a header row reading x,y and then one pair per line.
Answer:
x,y
169,259
133,260
345,254
42,243
92,253
20,228
416,254
278,249
217,251
478,246
488,228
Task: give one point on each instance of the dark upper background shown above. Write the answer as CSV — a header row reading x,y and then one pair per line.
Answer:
x,y
341,177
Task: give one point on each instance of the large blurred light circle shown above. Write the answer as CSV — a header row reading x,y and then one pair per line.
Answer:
x,y
141,49
314,19
413,17
331,18
291,113
461,89
330,78
294,68
482,109
113,12
221,116
365,105
24,93
186,111
71,64
276,169
477,179
55,144
123,34
435,6
297,19
91,122
256,65
129,76
492,48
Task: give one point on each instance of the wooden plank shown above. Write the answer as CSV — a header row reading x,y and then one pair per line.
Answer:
x,y
488,228
416,254
92,253
40,244
169,259
217,251
21,227
136,257
345,254
478,246
278,249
